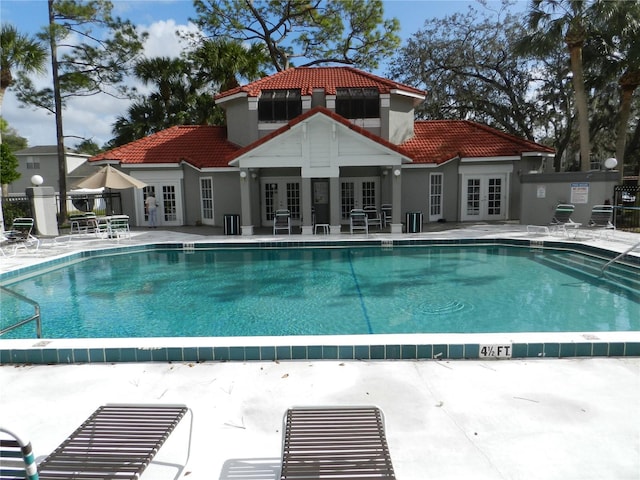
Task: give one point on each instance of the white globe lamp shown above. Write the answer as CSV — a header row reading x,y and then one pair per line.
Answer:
x,y
37,180
611,163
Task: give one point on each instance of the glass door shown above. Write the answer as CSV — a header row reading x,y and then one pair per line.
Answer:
x,y
484,197
435,197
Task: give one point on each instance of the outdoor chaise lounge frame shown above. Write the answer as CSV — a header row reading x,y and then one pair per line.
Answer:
x,y
118,441
335,443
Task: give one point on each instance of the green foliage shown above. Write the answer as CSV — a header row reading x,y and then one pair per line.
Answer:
x,y
184,88
350,32
10,137
8,165
18,53
88,146
466,63
92,62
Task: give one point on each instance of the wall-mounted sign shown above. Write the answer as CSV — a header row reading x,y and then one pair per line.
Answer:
x,y
580,192
541,191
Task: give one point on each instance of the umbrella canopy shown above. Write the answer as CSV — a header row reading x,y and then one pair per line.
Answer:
x,y
110,177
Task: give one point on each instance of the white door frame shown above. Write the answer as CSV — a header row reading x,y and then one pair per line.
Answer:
x,y
483,175
158,180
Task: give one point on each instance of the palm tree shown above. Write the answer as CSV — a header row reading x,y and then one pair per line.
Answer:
x,y
567,21
18,53
618,43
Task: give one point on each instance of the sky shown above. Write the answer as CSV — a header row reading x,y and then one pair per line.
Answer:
x,y
93,117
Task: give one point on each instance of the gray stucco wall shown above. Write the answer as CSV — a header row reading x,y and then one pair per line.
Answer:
x,y
541,193
242,123
400,120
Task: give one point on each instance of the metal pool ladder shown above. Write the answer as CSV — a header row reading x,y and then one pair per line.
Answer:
x,y
35,317
618,257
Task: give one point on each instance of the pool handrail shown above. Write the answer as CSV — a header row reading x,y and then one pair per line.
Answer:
x,y
618,257
35,317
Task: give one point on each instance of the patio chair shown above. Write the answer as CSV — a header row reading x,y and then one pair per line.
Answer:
x,y
385,212
116,441
83,223
559,222
358,221
601,219
119,227
373,217
282,221
336,443
20,235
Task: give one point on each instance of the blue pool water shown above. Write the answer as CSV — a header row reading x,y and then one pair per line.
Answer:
x,y
312,291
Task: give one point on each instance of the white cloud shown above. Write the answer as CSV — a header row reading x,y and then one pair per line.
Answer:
x,y
88,117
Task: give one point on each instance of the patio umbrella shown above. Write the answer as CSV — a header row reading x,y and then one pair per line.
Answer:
x,y
110,177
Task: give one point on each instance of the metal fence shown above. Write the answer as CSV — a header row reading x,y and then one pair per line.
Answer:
x,y
626,212
105,203
15,207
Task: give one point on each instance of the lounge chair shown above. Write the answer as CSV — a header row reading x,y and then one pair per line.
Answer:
x,y
20,235
115,442
336,443
83,223
601,219
119,227
282,221
373,217
358,221
559,222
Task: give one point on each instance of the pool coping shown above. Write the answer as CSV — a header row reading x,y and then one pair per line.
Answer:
x,y
423,346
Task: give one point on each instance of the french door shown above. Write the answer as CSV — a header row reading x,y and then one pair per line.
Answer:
x,y
435,196
484,197
168,201
358,193
278,194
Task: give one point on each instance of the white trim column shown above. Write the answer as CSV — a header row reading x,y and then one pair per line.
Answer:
x,y
246,226
334,205
307,216
396,202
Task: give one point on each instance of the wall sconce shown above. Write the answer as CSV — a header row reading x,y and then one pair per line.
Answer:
x,y
254,175
243,174
396,172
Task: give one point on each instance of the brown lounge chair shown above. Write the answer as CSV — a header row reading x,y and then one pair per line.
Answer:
x,y
115,442
335,443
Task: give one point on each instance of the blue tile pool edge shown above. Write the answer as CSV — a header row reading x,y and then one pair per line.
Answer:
x,y
404,347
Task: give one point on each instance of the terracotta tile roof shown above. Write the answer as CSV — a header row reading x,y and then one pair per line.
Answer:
x,y
436,141
327,78
328,113
200,145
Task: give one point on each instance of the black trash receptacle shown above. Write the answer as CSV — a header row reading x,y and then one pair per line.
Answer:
x,y
232,224
414,222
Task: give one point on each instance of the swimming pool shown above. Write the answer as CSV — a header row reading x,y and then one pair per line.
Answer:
x,y
170,292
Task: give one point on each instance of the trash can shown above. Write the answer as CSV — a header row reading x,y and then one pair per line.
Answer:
x,y
232,224
414,222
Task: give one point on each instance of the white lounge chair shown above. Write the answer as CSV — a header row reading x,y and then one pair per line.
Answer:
x,y
559,222
116,441
20,235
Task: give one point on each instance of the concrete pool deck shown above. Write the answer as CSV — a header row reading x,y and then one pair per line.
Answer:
x,y
545,418
564,419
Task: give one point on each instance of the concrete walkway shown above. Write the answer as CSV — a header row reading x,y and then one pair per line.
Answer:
x,y
536,419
